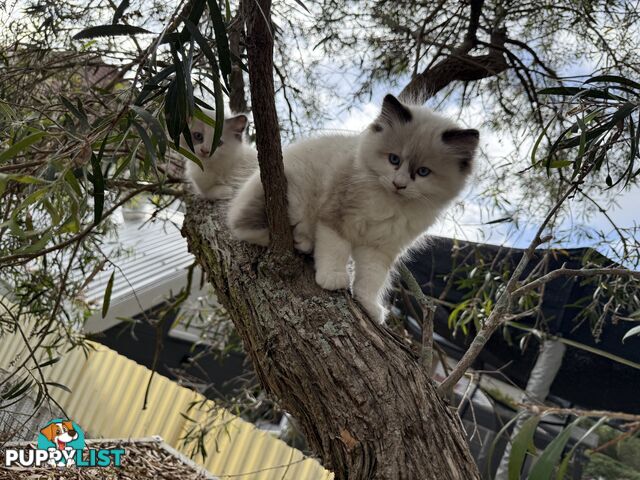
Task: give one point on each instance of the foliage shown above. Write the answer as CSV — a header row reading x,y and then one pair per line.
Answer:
x,y
89,92
82,135
603,467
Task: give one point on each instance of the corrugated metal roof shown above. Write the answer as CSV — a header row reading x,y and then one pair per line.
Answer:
x,y
152,268
106,399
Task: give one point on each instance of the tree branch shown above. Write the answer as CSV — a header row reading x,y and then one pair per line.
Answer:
x,y
460,65
237,98
569,272
504,301
360,394
259,36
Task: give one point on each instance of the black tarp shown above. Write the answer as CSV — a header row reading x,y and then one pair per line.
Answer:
x,y
585,379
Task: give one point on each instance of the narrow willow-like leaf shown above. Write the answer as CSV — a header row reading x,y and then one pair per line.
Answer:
x,y
80,115
614,79
155,127
206,49
148,145
109,31
222,41
58,385
49,362
631,332
564,466
522,443
20,145
549,458
98,189
106,301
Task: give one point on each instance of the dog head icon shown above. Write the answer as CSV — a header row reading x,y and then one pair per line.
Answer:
x,y
60,433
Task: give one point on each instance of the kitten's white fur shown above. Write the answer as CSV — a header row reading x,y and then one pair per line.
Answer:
x,y
231,163
343,201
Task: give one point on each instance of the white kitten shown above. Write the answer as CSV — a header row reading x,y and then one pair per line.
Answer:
x,y
367,196
231,163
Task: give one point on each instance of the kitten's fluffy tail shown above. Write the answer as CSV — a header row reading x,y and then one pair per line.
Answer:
x,y
247,218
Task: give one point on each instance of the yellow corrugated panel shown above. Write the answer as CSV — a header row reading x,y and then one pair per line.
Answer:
x,y
107,401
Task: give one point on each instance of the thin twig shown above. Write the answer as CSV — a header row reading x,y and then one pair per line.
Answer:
x,y
428,308
570,272
504,301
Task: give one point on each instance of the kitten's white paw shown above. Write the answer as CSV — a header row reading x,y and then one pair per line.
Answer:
x,y
303,244
301,238
222,192
332,280
373,309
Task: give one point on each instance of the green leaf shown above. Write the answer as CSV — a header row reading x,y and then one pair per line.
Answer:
x,y
222,42
547,461
206,49
200,115
614,79
536,145
522,443
152,84
23,179
148,145
631,332
72,181
564,466
107,295
177,108
155,127
98,189
109,31
49,362
560,163
37,246
227,10
18,389
58,385
189,155
23,144
77,112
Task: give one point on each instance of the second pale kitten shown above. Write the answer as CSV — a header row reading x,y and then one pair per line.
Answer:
x,y
231,163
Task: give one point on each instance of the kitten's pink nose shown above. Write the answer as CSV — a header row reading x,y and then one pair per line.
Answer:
x,y
205,151
398,186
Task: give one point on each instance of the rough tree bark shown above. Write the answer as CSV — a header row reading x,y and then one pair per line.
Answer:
x,y
362,398
237,99
364,402
460,65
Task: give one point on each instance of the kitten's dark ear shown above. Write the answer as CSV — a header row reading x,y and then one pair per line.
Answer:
x,y
237,125
464,143
392,112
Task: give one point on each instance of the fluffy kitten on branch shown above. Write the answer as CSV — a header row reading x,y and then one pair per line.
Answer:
x,y
229,165
366,196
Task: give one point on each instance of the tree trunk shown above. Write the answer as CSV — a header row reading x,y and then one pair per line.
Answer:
x,y
365,405
237,98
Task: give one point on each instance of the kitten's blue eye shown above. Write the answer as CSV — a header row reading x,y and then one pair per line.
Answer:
x,y
423,171
394,159
197,136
